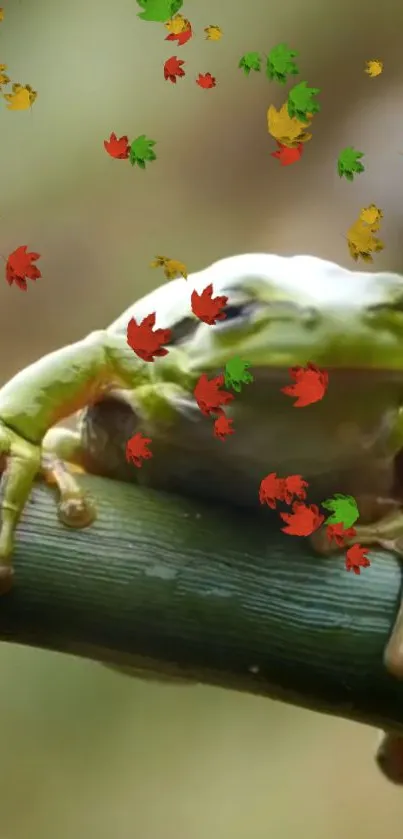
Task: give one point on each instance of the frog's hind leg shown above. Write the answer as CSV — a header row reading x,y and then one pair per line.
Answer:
x,y
22,465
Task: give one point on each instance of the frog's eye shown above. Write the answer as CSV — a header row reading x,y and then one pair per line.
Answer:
x,y
183,330
234,314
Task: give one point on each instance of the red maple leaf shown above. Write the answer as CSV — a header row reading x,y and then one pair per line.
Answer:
x,y
336,533
206,80
206,307
145,342
117,148
294,485
285,155
181,38
303,520
356,556
223,427
310,384
173,68
20,267
137,451
271,490
209,397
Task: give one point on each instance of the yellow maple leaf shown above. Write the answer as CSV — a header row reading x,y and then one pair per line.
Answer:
x,y
374,67
361,241
213,33
171,267
372,216
289,131
159,262
22,97
4,79
174,267
176,24
1,14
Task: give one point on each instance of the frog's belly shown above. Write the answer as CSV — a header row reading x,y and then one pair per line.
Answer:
x,y
231,470
337,446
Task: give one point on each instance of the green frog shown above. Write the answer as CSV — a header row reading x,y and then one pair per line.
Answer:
x,y
281,312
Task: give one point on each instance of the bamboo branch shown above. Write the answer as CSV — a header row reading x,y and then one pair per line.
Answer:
x,y
183,590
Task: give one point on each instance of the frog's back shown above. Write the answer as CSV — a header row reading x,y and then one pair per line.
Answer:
x,y
310,279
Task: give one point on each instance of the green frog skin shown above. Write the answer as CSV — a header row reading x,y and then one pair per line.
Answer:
x,y
282,312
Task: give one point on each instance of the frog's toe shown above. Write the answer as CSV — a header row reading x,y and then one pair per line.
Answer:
x,y
75,511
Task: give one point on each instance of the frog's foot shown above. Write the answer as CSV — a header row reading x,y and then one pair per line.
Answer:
x,y
389,757
372,509
76,511
387,532
75,508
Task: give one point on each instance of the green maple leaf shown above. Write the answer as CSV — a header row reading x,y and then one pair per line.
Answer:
x,y
300,102
344,510
236,373
250,61
141,150
348,163
159,10
280,64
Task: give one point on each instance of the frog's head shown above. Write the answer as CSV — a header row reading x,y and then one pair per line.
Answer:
x,y
285,311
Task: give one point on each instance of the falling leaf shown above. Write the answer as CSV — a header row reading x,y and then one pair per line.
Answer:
x,y
209,397
206,307
271,490
141,151
206,80
303,521
21,98
286,130
173,69
146,342
117,148
213,33
137,451
372,216
172,267
356,558
344,510
250,61
176,24
20,267
300,102
281,64
223,427
237,373
361,241
158,10
310,385
287,155
1,14
181,37
348,163
374,67
4,79
294,485
338,534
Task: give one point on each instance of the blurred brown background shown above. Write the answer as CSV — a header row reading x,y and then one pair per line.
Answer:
x,y
83,751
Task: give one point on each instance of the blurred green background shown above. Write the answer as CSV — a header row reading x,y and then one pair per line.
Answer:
x,y
84,752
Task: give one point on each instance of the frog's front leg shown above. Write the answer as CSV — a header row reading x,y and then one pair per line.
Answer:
x,y
75,509
22,464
